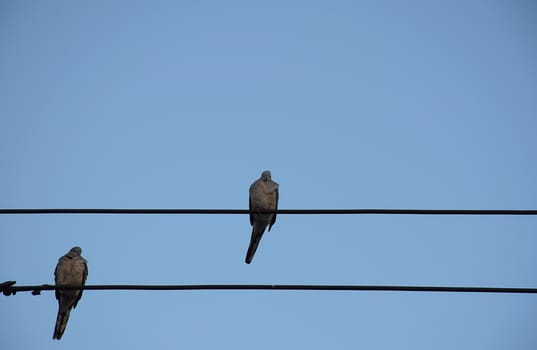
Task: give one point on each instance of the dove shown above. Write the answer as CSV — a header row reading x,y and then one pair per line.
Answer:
x,y
264,194
72,270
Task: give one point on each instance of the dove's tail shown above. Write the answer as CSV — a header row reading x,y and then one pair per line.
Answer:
x,y
61,323
254,242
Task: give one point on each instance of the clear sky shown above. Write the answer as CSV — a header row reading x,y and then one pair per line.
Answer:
x,y
350,104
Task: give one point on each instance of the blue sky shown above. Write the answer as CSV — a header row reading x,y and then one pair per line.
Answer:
x,y
377,104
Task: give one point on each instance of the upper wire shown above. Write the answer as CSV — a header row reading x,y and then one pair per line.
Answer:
x,y
278,211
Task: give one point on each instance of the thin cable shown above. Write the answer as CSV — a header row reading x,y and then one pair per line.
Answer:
x,y
10,289
279,211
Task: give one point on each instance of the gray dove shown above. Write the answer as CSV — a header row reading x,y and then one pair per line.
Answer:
x,y
264,194
72,270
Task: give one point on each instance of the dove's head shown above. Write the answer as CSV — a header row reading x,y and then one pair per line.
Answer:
x,y
265,176
75,251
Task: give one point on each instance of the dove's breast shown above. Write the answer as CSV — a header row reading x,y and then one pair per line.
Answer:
x,y
73,274
270,200
263,196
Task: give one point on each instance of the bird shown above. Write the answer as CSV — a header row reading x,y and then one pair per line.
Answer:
x,y
264,195
71,270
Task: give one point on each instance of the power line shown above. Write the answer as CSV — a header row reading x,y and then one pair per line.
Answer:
x,y
8,288
278,211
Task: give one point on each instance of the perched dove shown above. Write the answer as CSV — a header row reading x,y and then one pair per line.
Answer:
x,y
264,195
72,270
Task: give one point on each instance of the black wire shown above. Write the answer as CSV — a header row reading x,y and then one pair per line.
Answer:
x,y
9,289
279,211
